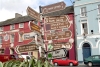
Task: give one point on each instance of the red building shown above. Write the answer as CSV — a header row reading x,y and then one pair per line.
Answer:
x,y
59,30
16,32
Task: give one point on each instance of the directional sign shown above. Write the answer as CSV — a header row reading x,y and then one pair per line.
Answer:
x,y
53,7
59,53
31,12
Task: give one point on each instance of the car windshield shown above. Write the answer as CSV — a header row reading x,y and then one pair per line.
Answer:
x,y
12,56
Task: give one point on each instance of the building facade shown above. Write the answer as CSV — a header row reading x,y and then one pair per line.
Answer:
x,y
87,19
17,34
59,31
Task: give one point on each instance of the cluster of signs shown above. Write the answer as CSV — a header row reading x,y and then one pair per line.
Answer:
x,y
52,23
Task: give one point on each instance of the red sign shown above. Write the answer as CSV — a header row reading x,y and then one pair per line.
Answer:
x,y
53,7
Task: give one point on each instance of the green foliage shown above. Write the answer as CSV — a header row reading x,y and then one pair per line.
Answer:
x,y
42,62
1,65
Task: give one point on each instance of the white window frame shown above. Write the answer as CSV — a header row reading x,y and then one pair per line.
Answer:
x,y
11,27
81,12
82,31
12,38
1,28
1,39
99,24
98,9
21,25
20,38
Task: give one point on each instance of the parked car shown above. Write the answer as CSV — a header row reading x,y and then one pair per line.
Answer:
x,y
92,60
4,58
64,62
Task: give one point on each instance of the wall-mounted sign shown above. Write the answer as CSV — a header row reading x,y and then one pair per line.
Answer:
x,y
33,13
63,34
62,45
30,35
34,27
26,48
59,53
53,7
6,37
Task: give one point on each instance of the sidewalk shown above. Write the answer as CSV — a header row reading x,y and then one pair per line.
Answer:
x,y
82,63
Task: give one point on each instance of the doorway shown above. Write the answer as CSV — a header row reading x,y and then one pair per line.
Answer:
x,y
86,50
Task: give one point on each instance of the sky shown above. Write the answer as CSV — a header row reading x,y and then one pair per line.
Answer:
x,y
8,8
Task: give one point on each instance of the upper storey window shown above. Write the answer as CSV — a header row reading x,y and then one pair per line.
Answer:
x,y
99,9
12,27
21,25
83,12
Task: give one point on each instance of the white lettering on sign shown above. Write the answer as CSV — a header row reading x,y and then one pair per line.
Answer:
x,y
59,53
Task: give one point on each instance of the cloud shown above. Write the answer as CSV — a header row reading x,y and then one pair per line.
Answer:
x,y
8,8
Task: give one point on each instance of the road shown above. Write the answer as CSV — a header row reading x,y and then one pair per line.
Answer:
x,y
76,66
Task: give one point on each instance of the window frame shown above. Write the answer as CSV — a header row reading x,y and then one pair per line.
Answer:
x,y
20,37
99,24
1,28
84,14
98,8
82,30
21,26
11,38
11,27
1,39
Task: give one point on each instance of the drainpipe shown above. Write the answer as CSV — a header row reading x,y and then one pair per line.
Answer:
x,y
75,37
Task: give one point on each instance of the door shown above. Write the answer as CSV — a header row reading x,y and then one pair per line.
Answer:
x,y
86,50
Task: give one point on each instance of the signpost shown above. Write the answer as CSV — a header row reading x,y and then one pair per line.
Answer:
x,y
59,53
34,27
26,48
53,7
33,13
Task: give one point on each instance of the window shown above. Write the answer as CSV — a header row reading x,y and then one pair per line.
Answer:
x,y
21,25
96,57
1,38
20,37
12,38
99,24
1,28
84,28
83,12
2,51
99,8
12,27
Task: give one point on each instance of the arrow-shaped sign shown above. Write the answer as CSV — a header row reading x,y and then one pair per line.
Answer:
x,y
59,53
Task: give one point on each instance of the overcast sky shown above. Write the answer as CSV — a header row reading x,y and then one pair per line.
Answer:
x,y
8,8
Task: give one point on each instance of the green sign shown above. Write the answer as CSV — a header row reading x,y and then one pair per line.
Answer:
x,y
50,46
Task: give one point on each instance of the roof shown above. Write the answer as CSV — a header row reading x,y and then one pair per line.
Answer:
x,y
67,10
16,20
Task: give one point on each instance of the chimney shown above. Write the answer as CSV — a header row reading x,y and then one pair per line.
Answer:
x,y
17,15
40,8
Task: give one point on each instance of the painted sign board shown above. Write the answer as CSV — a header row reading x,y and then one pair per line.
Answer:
x,y
63,34
59,53
66,45
31,12
53,7
58,22
26,48
34,27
